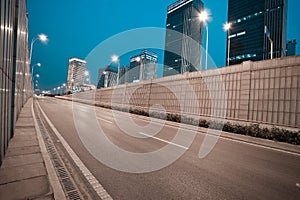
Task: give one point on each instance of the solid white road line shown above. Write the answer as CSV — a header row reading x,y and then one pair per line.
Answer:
x,y
165,141
102,193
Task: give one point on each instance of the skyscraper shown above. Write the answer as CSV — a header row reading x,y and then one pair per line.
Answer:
x,y
254,25
291,48
76,74
107,77
142,66
179,51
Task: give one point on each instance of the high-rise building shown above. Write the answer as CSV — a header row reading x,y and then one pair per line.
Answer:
x,y
291,48
107,77
254,25
180,53
142,66
76,74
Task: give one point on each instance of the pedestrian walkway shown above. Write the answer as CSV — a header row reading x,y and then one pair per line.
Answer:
x,y
23,174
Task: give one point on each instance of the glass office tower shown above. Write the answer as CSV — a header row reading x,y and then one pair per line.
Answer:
x,y
142,66
254,23
180,53
291,47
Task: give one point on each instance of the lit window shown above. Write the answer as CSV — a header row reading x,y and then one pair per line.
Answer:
x,y
241,33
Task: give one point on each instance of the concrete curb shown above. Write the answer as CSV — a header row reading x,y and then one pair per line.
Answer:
x,y
53,179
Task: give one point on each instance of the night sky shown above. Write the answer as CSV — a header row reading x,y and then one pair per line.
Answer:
x,y
75,28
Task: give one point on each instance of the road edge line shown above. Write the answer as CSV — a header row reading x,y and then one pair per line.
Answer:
x,y
54,182
99,189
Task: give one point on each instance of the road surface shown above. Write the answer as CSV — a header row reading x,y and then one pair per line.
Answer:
x,y
233,170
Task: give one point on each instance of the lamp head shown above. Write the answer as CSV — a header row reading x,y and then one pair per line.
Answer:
x,y
43,38
227,26
115,58
204,16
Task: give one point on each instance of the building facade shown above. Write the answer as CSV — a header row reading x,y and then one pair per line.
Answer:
x,y
254,25
76,74
107,77
142,67
291,47
183,26
15,77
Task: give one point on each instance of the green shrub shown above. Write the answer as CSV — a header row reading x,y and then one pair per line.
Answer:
x,y
158,115
217,125
189,120
173,117
203,123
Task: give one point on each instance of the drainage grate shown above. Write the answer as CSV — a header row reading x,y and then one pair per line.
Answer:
x,y
71,191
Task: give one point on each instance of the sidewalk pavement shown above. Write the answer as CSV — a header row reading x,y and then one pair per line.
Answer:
x,y
23,174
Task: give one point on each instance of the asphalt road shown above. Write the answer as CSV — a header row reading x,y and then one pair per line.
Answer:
x,y
232,170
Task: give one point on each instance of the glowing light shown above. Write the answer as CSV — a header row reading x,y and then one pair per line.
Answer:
x,y
138,59
43,38
227,26
204,16
115,58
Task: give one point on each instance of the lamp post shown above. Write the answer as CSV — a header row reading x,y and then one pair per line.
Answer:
x,y
267,32
32,68
227,28
64,85
87,77
42,37
58,88
35,84
204,17
115,59
141,70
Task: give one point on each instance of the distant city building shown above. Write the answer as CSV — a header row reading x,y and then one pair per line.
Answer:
x,y
142,67
124,74
253,23
183,18
291,48
108,77
87,87
76,74
100,73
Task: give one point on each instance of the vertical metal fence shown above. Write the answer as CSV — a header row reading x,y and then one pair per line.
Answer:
x,y
15,77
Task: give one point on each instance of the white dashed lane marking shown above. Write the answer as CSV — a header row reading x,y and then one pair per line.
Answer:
x,y
165,141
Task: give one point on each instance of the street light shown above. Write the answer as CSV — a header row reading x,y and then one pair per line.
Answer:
x,y
204,17
115,59
41,37
227,28
32,68
59,88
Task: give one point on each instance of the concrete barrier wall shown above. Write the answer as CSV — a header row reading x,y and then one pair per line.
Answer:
x,y
265,92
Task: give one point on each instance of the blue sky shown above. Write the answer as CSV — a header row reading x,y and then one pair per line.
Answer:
x,y
75,28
